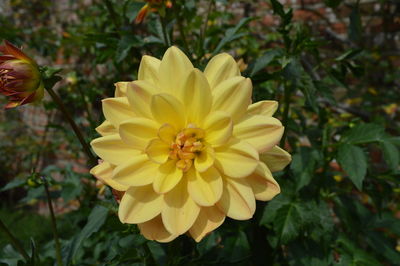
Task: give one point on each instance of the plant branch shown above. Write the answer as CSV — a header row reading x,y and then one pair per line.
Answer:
x,y
167,41
14,241
71,121
53,223
285,116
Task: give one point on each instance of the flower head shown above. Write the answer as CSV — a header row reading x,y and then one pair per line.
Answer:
x,y
152,6
19,77
188,147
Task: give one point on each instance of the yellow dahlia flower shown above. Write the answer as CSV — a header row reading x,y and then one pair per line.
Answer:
x,y
188,147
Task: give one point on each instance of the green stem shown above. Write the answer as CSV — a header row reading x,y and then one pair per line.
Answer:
x,y
14,242
164,31
181,28
71,121
286,108
205,25
113,14
53,223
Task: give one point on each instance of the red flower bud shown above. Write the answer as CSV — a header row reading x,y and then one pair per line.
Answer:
x,y
20,78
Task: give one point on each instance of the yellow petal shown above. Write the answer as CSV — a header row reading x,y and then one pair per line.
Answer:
x,y
120,88
262,132
117,110
112,149
136,171
233,96
139,94
137,132
218,127
236,159
209,219
276,159
195,94
237,200
167,177
173,69
221,67
106,128
148,69
158,151
104,172
140,204
167,133
204,159
180,211
265,108
205,188
155,230
263,184
167,109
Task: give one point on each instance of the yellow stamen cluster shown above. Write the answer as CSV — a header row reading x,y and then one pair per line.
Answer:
x,y
187,144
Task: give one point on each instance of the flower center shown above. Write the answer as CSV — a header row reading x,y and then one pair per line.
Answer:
x,y
188,143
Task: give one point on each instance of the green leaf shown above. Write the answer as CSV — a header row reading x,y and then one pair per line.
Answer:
x,y
354,162
96,219
133,9
278,8
303,166
350,54
355,255
236,248
263,61
16,182
363,133
287,223
157,252
231,34
391,154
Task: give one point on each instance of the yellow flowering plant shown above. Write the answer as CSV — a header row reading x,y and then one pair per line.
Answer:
x,y
188,148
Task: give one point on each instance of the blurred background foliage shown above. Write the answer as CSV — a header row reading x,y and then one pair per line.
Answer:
x,y
333,66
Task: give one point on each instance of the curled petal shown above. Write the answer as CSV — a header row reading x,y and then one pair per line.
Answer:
x,y
140,204
106,128
139,94
205,188
221,67
148,69
237,200
104,172
263,184
158,151
168,177
233,96
174,67
167,133
155,230
261,132
209,219
137,171
167,109
265,108
121,88
205,159
237,159
180,211
137,132
117,110
276,158
197,100
112,149
218,127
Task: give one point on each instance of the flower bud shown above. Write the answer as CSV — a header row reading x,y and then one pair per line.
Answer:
x,y
20,77
153,6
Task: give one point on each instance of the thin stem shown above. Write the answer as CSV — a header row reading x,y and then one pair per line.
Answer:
x,y
86,106
286,107
53,223
164,31
71,121
181,28
14,241
113,15
205,25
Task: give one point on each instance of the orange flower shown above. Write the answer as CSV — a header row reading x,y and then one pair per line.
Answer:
x,y
20,78
152,6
